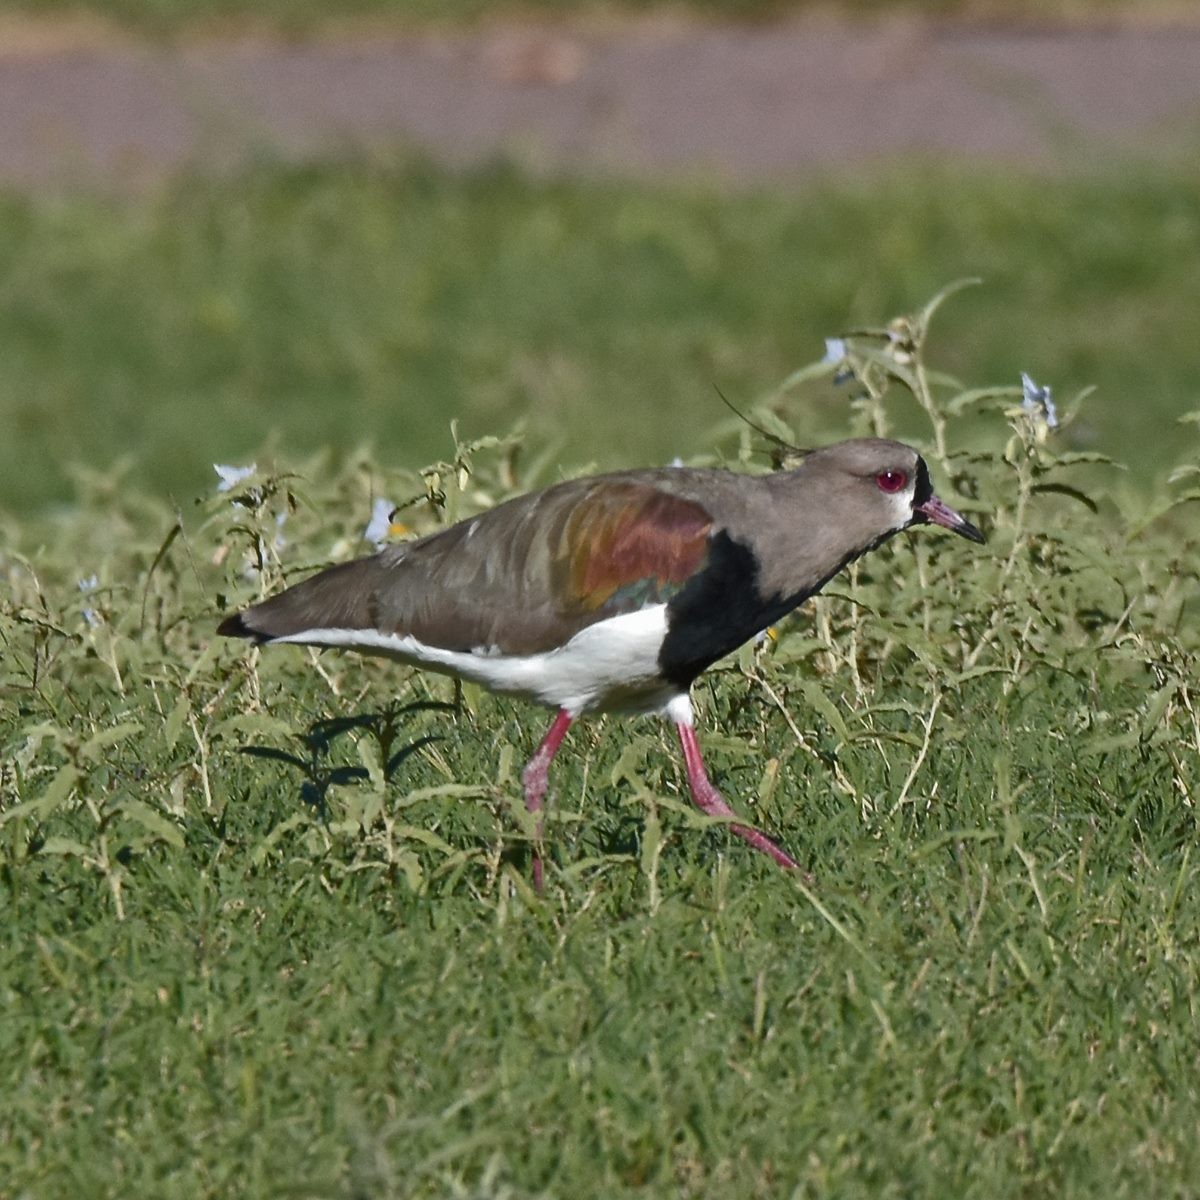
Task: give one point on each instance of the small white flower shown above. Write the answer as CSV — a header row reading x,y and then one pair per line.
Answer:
x,y
676,462
87,587
835,350
232,476
380,524
1038,400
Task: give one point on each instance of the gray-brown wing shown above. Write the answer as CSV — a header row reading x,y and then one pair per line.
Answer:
x,y
521,578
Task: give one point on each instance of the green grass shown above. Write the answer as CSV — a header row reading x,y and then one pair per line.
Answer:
x,y
291,17
234,974
336,307
231,974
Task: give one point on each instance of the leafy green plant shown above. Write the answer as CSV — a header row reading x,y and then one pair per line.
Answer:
x,y
267,919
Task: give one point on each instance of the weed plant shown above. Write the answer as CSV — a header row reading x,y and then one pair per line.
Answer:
x,y
268,928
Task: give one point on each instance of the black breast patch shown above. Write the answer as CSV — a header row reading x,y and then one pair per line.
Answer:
x,y
717,610
721,607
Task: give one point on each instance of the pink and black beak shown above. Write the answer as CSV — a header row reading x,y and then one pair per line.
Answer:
x,y
940,513
927,507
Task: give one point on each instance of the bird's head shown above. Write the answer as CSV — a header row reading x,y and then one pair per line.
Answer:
x,y
884,486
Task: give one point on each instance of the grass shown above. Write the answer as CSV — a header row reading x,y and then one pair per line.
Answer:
x,y
172,18
290,310
315,969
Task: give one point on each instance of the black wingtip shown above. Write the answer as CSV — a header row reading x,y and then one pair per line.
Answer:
x,y
235,626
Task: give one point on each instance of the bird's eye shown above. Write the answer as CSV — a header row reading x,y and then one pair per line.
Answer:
x,y
891,481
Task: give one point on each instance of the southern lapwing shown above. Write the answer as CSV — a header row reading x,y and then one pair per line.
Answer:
x,y
614,593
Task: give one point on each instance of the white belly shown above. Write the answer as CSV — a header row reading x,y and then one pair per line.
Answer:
x,y
610,665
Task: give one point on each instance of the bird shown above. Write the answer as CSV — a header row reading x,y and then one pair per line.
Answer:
x,y
614,592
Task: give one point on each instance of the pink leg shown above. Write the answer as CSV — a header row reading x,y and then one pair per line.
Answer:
x,y
711,802
537,774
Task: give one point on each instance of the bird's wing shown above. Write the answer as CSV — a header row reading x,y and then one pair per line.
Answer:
x,y
521,578
528,575
628,545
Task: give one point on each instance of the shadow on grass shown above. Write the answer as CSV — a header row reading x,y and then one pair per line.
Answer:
x,y
318,774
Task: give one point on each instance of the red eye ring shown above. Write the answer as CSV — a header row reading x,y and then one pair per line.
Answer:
x,y
891,481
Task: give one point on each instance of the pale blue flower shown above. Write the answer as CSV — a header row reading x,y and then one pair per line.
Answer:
x,y
232,476
835,350
1038,400
380,524
87,587
837,354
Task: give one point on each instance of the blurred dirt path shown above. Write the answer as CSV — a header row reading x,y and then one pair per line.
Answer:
x,y
727,102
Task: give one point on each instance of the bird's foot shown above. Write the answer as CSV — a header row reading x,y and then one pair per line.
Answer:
x,y
535,778
710,802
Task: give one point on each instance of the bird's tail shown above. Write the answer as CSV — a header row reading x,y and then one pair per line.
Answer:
x,y
339,598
